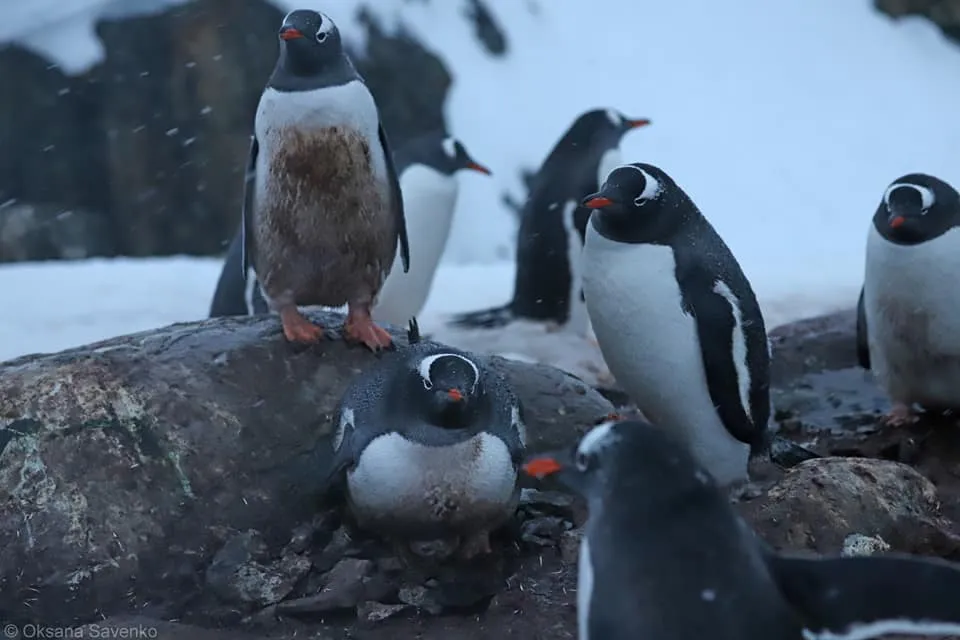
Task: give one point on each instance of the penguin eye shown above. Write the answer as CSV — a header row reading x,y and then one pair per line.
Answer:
x,y
583,460
427,384
321,36
638,201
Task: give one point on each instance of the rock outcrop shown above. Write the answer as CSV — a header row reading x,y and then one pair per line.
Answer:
x,y
943,13
126,466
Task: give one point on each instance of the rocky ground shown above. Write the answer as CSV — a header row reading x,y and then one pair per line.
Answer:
x,y
314,577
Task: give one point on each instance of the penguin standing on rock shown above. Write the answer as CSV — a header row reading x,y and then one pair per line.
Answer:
x,y
427,168
664,555
908,317
676,319
429,442
322,209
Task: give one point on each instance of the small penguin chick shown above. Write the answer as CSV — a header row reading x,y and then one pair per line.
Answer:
x,y
453,386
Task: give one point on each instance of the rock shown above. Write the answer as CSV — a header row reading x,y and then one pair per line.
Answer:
x,y
943,13
51,232
376,611
143,628
570,545
343,589
821,502
237,576
543,532
132,461
152,140
857,544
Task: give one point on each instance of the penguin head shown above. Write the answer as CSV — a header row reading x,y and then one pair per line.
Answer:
x,y
606,125
916,208
626,458
450,386
637,202
309,42
453,157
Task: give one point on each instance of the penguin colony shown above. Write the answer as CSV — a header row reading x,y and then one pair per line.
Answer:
x,y
429,443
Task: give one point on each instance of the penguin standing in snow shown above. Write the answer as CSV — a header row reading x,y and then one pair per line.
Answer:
x,y
908,324
427,167
676,319
430,443
552,224
664,555
322,209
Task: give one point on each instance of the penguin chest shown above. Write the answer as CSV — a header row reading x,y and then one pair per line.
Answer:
x,y
913,318
416,489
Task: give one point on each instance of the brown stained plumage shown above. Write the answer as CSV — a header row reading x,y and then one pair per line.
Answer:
x,y
324,230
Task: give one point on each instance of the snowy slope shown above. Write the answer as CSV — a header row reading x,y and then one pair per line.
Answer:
x,y
784,121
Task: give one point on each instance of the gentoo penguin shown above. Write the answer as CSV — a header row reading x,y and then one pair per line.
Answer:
x,y
664,555
910,314
552,224
322,209
427,167
676,319
430,441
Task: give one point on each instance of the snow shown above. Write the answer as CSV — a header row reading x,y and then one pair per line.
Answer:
x,y
784,121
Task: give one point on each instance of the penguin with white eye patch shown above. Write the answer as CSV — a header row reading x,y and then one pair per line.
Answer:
x,y
664,555
676,319
908,316
429,442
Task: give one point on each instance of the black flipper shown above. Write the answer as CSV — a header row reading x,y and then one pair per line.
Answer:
x,y
866,597
714,317
493,318
863,346
413,331
397,197
246,229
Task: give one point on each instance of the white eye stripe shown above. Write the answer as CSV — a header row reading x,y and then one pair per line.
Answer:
x,y
596,439
927,199
427,363
450,147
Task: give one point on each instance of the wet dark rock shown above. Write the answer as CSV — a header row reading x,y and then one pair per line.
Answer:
x,y
544,531
139,456
343,588
943,13
242,573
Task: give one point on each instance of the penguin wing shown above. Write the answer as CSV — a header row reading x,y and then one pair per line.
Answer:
x,y
396,198
863,346
508,414
728,358
869,596
229,298
249,184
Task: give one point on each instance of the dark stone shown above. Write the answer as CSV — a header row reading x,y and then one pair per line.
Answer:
x,y
155,448
943,13
242,573
147,147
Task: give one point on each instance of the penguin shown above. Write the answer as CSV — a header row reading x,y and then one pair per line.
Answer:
x,y
665,555
552,225
427,168
676,319
322,212
429,444
908,325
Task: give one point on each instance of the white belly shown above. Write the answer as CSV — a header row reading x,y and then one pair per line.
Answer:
x,y
401,484
350,105
652,347
912,307
429,199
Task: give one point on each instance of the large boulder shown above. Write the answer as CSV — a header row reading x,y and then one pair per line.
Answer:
x,y
127,464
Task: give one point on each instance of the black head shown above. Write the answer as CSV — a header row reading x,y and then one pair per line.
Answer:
x,y
310,44
603,126
916,208
639,203
451,156
630,460
451,387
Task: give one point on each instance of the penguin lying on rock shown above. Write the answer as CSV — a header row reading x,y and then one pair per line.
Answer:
x,y
322,210
676,318
908,315
429,442
665,556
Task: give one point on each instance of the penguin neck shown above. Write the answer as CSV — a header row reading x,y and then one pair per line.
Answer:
x,y
295,72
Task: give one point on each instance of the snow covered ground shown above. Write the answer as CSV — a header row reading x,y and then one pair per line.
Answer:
x,y
784,121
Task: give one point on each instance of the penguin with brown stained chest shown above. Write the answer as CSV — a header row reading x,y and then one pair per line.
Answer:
x,y
322,212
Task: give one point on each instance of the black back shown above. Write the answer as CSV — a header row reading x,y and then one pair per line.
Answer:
x,y
670,218
542,282
671,559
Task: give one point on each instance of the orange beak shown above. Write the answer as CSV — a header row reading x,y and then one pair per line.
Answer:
x,y
598,203
479,167
455,395
541,467
635,124
289,33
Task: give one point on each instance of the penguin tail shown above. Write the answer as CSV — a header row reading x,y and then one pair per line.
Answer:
x,y
486,319
413,331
